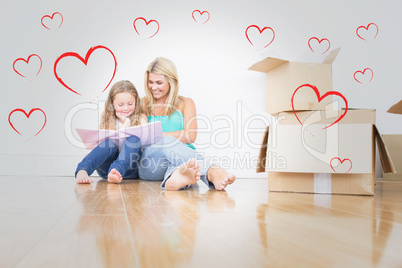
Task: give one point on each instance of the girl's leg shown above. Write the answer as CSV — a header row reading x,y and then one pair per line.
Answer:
x,y
126,164
99,159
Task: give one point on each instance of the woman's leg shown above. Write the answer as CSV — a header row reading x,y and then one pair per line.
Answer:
x,y
161,159
172,159
183,170
153,164
126,164
99,159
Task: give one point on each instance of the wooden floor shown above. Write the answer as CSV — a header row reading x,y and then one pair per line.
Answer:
x,y
52,222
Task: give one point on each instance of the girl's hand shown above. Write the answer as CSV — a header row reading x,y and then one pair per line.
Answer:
x,y
124,120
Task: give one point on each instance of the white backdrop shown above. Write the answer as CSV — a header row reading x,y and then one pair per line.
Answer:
x,y
212,53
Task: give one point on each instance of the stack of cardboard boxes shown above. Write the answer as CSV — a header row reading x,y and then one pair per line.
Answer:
x,y
314,146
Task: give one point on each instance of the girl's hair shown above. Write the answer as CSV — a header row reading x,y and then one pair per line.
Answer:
x,y
166,67
109,118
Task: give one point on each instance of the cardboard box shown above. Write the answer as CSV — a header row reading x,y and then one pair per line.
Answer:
x,y
393,142
283,77
319,183
394,145
314,146
317,156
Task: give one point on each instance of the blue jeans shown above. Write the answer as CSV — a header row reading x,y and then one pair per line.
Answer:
x,y
106,156
159,160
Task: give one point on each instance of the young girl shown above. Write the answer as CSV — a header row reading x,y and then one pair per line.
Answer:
x,y
122,109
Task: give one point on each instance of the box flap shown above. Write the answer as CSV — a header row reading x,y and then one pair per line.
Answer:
x,y
267,64
327,58
396,108
353,116
386,162
263,152
331,56
393,142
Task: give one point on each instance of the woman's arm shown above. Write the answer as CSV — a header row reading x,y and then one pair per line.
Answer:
x,y
189,133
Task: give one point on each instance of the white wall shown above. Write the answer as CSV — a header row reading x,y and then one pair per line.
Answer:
x,y
212,60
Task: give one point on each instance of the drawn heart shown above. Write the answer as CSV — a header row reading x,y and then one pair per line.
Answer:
x,y
341,162
27,115
371,31
30,71
320,98
361,77
198,19
318,47
49,23
147,31
267,39
85,61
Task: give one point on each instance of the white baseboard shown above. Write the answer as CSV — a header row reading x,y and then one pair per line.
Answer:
x,y
61,165
38,165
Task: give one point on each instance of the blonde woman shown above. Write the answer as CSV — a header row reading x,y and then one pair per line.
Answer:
x,y
122,109
174,159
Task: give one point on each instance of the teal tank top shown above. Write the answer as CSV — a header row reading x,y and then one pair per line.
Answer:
x,y
174,123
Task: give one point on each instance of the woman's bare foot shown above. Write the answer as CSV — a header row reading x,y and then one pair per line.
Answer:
x,y
185,174
114,176
83,177
220,177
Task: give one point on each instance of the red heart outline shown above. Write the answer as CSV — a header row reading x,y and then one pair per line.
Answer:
x,y
320,98
372,74
263,29
337,158
27,115
146,23
368,26
192,14
47,16
27,61
319,42
85,61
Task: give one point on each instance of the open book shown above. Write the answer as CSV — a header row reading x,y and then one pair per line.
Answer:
x,y
148,134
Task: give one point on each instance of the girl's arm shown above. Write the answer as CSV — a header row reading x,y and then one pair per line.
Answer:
x,y
189,133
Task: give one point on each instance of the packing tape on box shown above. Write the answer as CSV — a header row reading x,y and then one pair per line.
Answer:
x,y
322,183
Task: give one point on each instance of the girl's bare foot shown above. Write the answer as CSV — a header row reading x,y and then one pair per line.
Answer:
x,y
185,174
114,176
83,177
220,177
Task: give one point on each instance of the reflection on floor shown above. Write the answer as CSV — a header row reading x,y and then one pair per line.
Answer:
x,y
52,222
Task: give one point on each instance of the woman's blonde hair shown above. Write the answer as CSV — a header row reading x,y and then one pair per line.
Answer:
x,y
109,118
166,67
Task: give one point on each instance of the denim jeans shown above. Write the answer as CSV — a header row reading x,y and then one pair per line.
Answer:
x,y
107,156
159,160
